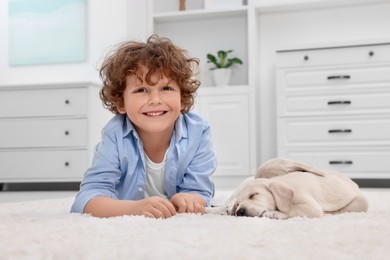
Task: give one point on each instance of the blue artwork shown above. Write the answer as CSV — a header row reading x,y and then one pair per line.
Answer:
x,y
46,31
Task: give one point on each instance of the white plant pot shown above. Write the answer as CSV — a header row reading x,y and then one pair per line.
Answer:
x,y
222,76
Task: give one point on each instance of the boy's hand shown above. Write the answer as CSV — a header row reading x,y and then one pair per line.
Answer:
x,y
153,207
188,203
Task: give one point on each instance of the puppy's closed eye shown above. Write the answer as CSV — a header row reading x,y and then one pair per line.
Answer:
x,y
252,196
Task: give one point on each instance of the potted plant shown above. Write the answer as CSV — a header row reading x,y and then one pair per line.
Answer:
x,y
222,66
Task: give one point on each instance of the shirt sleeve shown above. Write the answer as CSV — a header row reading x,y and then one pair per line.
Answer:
x,y
103,175
197,176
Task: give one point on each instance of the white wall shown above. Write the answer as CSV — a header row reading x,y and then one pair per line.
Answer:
x,y
107,25
313,26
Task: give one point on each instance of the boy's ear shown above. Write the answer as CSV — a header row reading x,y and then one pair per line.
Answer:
x,y
121,110
120,105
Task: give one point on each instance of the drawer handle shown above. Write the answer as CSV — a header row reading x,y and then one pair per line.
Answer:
x,y
66,132
336,131
339,102
67,102
339,77
67,164
341,162
371,53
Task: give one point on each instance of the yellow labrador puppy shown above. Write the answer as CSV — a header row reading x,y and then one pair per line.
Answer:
x,y
285,188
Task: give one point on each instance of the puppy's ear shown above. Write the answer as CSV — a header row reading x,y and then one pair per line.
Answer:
x,y
283,196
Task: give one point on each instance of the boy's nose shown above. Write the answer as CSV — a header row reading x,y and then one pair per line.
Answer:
x,y
155,98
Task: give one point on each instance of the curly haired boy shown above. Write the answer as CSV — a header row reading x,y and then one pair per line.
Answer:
x,y
155,157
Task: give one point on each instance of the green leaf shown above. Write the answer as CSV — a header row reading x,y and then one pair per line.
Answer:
x,y
222,60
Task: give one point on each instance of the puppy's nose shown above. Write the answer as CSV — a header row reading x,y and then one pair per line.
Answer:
x,y
240,212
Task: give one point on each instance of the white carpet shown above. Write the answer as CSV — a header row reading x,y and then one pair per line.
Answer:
x,y
45,230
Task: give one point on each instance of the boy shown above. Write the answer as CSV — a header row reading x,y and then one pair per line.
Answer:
x,y
155,157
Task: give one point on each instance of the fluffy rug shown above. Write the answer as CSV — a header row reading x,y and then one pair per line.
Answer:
x,y
45,230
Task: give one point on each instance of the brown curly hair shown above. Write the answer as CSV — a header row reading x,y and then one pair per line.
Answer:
x,y
159,55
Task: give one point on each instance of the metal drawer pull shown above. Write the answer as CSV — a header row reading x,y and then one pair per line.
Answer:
x,y
335,131
339,102
67,102
339,77
341,162
66,132
67,164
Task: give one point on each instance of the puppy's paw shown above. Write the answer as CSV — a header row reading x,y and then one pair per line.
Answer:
x,y
219,210
275,215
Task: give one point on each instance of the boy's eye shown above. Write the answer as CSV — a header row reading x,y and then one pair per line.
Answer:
x,y
166,88
140,90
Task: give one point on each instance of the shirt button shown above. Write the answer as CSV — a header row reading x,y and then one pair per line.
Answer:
x,y
140,189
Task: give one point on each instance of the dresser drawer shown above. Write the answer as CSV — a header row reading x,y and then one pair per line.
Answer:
x,y
26,133
334,104
334,131
38,165
334,56
358,163
43,102
335,78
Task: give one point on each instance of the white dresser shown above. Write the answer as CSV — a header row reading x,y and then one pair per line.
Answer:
x,y
47,132
333,107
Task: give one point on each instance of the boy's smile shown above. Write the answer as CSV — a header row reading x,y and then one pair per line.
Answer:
x,y
153,114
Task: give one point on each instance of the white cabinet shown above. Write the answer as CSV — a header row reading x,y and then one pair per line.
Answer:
x,y
230,111
333,107
48,131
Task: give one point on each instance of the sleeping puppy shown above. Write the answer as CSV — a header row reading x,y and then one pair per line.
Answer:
x,y
285,188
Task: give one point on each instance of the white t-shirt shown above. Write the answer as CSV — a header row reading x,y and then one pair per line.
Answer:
x,y
155,178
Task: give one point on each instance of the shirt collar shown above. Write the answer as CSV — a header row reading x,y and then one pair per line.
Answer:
x,y
181,130
128,127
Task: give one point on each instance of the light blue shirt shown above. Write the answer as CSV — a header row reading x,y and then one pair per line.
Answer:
x,y
118,167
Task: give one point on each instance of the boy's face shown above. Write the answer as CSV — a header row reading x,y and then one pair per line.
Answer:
x,y
152,109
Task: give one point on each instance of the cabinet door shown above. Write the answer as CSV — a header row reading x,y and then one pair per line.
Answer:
x,y
229,120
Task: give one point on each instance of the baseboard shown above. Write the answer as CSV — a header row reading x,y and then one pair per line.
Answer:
x,y
39,186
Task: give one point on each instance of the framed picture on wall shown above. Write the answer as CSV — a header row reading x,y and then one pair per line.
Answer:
x,y
46,31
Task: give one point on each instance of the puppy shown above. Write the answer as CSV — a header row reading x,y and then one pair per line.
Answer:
x,y
285,188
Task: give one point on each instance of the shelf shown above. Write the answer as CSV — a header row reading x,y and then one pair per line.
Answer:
x,y
199,14
226,90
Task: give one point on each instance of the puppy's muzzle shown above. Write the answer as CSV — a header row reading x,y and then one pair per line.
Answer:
x,y
241,212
